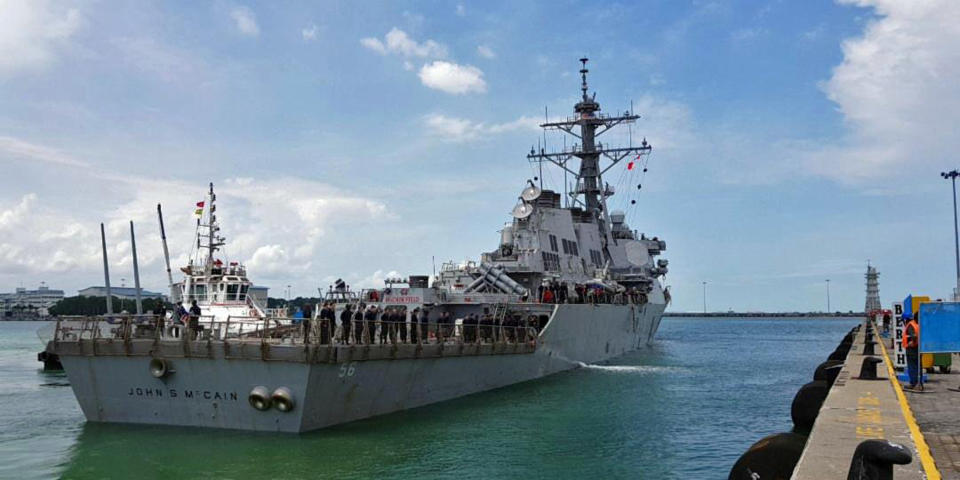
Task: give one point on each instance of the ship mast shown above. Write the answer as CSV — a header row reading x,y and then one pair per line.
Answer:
x,y
214,240
589,178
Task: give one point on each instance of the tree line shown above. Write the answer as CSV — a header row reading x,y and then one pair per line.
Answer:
x,y
83,305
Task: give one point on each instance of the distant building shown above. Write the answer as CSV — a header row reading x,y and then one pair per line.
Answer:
x,y
25,302
125,293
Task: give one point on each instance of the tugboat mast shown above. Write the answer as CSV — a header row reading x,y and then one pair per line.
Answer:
x,y
589,178
214,240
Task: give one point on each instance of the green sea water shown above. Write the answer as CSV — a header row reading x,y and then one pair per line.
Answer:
x,y
686,407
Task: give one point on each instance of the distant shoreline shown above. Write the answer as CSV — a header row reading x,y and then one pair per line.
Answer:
x,y
765,314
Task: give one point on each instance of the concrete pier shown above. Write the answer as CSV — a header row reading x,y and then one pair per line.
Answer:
x,y
856,410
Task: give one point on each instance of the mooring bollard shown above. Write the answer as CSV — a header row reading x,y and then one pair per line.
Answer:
x,y
868,369
868,348
806,405
874,460
774,456
868,337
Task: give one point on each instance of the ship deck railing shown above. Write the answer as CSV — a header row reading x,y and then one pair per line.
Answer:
x,y
269,338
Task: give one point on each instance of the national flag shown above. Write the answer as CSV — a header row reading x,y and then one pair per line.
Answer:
x,y
199,204
630,166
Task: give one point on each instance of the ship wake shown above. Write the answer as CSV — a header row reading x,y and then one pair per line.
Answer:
x,y
637,369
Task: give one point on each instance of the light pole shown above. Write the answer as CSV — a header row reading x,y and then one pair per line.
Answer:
x,y
828,295
704,297
952,175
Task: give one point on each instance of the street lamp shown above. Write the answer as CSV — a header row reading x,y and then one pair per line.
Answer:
x,y
952,175
704,297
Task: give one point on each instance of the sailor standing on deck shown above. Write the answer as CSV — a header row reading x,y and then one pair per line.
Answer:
x,y
328,320
358,325
160,311
370,324
345,317
401,319
180,314
424,331
385,325
194,323
414,327
307,318
911,342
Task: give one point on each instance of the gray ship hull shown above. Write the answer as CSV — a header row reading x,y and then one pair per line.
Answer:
x,y
212,391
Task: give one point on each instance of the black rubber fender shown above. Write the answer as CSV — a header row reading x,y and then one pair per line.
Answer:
x,y
806,405
773,457
828,371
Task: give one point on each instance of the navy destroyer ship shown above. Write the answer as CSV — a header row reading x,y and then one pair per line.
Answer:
x,y
569,284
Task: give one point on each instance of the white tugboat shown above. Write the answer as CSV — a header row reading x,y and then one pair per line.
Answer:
x,y
566,286
221,289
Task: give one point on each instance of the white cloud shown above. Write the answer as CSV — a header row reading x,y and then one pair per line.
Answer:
x,y
485,52
453,78
897,91
17,213
397,41
374,44
463,130
32,32
461,10
246,21
27,247
309,33
284,228
16,148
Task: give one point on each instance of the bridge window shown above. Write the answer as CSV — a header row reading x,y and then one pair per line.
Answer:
x,y
232,290
553,243
596,257
551,261
198,291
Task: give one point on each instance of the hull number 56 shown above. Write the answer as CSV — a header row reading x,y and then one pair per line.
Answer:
x,y
348,369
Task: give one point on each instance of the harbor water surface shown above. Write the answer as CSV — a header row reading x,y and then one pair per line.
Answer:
x,y
686,407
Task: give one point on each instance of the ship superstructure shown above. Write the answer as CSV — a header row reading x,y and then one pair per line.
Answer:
x,y
583,243
567,285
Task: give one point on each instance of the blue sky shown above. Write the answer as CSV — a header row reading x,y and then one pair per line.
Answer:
x,y
793,141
